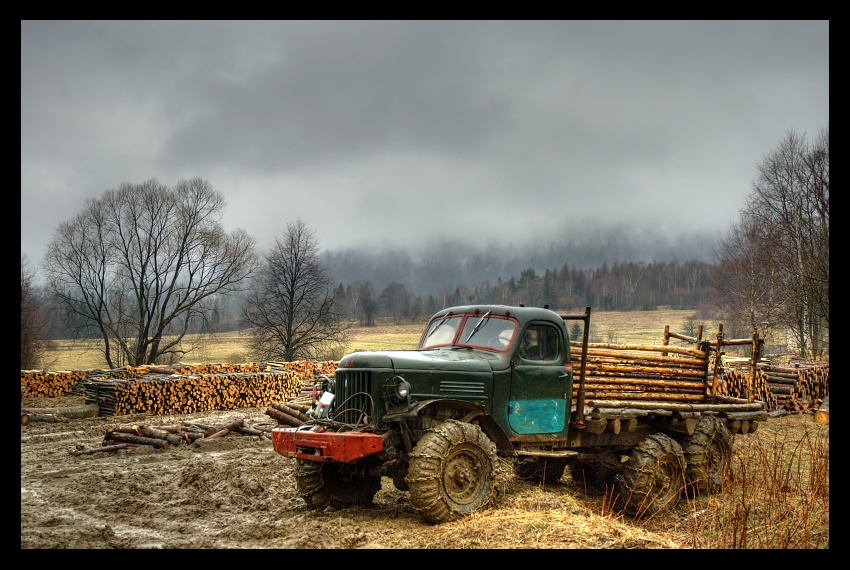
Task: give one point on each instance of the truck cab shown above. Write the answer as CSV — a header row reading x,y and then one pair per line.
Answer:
x,y
495,377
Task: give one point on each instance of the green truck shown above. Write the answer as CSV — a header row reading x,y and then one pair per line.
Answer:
x,y
489,383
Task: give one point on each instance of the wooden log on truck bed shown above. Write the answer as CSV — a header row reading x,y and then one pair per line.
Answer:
x,y
675,406
759,415
822,413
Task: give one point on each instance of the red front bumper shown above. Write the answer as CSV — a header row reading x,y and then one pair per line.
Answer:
x,y
325,446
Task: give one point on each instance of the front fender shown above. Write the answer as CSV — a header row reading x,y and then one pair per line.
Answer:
x,y
470,411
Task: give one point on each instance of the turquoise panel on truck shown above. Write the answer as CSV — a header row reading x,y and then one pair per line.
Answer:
x,y
538,416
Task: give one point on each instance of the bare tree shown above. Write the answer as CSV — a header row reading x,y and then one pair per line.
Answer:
x,y
293,312
633,274
791,194
141,264
775,262
396,300
362,301
746,284
34,327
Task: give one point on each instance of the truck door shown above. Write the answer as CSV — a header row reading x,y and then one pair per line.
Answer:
x,y
540,385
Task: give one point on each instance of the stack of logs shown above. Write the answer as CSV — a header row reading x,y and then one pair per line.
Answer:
x,y
52,384
166,394
182,388
796,388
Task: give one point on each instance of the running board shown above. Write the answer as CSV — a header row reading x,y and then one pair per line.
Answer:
x,y
565,453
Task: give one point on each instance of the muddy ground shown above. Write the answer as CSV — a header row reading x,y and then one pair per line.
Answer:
x,y
236,492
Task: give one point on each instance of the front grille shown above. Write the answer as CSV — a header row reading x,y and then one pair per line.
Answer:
x,y
353,401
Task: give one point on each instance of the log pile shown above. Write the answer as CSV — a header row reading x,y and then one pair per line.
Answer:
x,y
289,413
797,388
124,436
167,394
57,383
180,388
52,384
737,383
306,368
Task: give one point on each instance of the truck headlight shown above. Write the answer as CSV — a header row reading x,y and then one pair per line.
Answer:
x,y
402,388
328,383
397,391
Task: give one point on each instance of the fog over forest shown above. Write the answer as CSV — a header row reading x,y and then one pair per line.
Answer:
x,y
442,265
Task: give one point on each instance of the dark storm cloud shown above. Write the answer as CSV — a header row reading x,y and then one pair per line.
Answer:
x,y
389,132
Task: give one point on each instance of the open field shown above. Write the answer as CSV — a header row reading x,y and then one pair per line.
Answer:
x,y
638,327
236,492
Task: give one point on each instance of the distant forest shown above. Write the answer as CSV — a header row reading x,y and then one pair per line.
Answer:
x,y
618,269
441,266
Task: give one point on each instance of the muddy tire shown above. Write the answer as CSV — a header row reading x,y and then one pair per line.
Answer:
x,y
708,452
336,485
654,476
452,472
541,470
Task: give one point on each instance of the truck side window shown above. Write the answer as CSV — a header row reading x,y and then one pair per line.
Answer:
x,y
540,342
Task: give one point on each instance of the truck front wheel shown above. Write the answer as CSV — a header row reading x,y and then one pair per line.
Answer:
x,y
709,454
654,476
452,472
337,485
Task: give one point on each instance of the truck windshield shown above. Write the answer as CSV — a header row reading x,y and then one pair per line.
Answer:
x,y
493,332
442,332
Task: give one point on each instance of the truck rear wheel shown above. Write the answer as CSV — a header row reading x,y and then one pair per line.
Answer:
x,y
709,454
336,485
452,472
541,470
654,476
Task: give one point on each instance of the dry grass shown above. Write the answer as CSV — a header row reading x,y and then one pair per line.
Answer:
x,y
779,498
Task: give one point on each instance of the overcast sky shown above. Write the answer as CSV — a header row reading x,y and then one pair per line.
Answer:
x,y
385,133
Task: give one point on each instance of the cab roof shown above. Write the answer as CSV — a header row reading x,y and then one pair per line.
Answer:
x,y
522,314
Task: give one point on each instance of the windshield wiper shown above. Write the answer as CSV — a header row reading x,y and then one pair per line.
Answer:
x,y
444,319
478,325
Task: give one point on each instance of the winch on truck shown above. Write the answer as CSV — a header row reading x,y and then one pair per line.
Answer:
x,y
491,381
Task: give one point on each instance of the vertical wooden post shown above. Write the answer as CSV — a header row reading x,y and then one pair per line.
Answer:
x,y
754,358
666,340
717,356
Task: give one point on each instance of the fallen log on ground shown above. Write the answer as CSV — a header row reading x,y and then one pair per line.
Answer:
x,y
114,447
27,417
70,412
